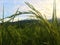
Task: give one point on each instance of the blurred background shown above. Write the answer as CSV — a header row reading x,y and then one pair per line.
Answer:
x,y
44,6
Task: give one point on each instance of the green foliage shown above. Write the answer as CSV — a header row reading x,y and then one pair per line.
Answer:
x,y
41,33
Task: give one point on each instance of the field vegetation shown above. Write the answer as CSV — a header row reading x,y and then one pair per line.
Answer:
x,y
41,32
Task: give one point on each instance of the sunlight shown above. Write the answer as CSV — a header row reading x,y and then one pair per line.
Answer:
x,y
46,7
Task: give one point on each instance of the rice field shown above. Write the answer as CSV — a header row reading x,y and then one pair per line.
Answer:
x,y
41,33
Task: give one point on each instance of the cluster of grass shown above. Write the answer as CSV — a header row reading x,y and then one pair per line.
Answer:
x,y
41,33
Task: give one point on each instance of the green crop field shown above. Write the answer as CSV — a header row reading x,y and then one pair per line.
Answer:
x,y
42,32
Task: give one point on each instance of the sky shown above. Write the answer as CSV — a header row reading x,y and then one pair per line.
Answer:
x,y
44,6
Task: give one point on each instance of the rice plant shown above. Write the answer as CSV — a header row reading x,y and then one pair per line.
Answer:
x,y
41,32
